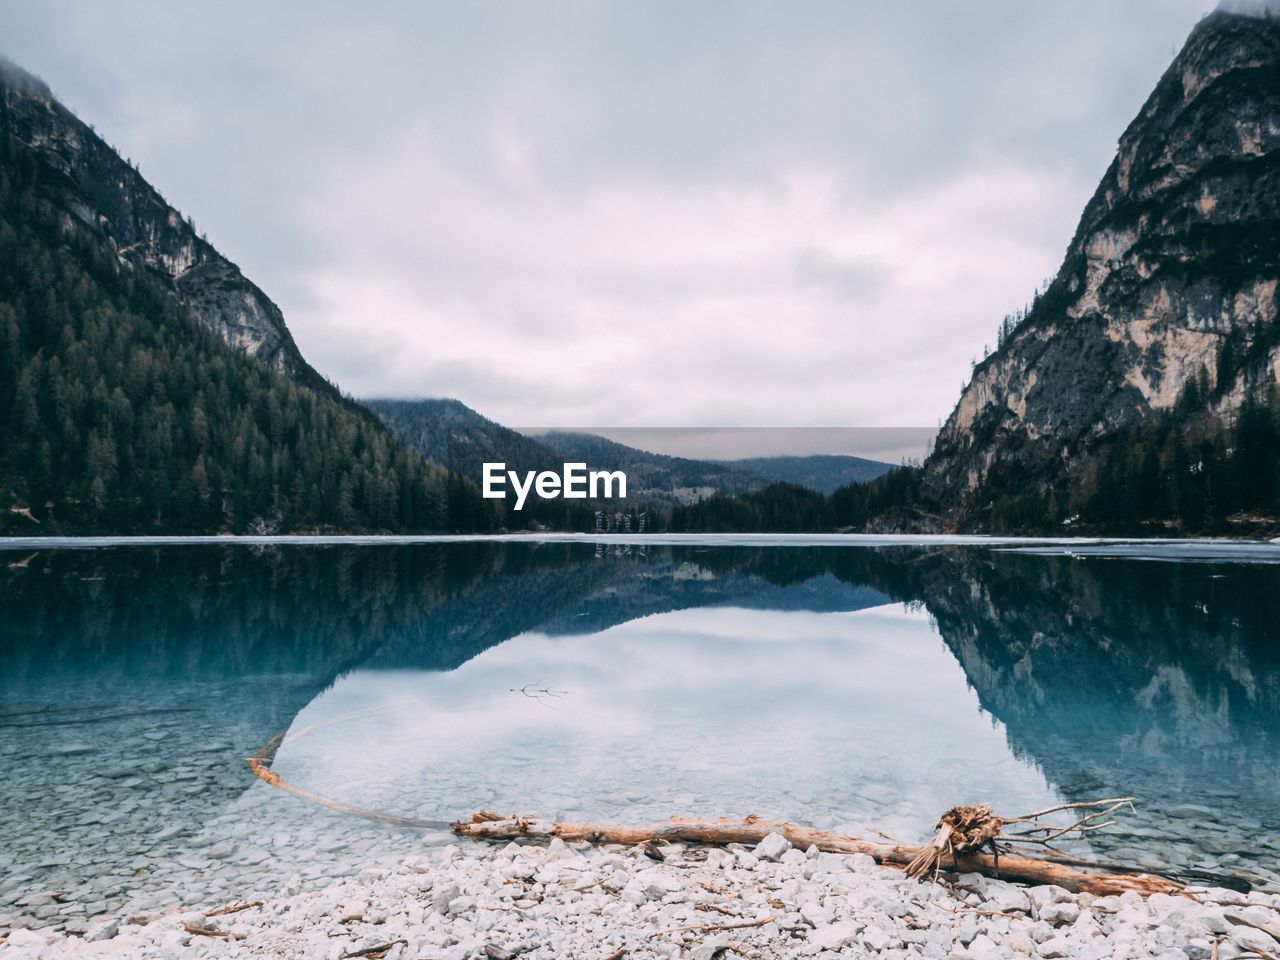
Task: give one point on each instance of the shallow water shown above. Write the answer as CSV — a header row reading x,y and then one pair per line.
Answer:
x,y
860,688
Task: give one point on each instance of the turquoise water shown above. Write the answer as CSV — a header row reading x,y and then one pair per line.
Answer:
x,y
857,688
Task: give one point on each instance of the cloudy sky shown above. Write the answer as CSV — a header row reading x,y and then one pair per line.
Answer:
x,y
643,214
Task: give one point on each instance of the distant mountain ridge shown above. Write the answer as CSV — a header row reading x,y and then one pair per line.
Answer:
x,y
455,436
653,476
823,472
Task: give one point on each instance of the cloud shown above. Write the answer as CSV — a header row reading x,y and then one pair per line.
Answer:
x,y
849,278
645,303
619,214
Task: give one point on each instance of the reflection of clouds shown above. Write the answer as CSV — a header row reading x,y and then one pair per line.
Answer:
x,y
740,706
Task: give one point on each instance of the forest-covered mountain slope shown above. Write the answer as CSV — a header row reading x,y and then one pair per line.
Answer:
x,y
453,435
132,402
109,197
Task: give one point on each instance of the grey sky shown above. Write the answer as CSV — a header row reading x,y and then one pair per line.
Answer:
x,y
645,214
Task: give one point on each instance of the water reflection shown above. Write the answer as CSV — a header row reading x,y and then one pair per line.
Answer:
x,y
845,686
851,720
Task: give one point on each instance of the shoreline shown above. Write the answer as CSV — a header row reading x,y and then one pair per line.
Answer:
x,y
1207,547
492,902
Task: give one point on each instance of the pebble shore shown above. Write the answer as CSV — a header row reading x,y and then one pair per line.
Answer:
x,y
461,902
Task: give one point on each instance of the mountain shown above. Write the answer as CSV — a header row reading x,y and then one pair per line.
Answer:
x,y
825,473
147,386
1141,383
653,477
107,196
453,435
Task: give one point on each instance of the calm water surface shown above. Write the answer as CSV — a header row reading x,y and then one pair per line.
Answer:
x,y
852,688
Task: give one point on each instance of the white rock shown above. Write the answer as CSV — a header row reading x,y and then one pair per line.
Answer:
x,y
1007,899
1059,913
27,939
876,939
794,858
863,863
816,913
981,948
655,884
1057,947
102,930
1019,943
563,901
773,846
557,849
1050,893
711,948
835,936
445,895
972,881
1250,938
1267,920
718,858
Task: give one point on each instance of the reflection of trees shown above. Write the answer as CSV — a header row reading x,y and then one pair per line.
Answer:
x,y
1101,670
215,611
1113,671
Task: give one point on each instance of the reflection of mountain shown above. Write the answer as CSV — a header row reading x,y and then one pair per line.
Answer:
x,y
1113,675
1161,679
220,615
586,594
1158,675
133,683
1178,654
214,612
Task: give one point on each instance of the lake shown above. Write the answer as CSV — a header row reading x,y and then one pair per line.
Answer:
x,y
856,685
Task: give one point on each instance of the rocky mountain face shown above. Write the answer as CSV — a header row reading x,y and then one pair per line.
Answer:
x,y
107,195
1170,280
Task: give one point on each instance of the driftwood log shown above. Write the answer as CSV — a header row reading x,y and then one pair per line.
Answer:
x,y
488,826
962,831
259,763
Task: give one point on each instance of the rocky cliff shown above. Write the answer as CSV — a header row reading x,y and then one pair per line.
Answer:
x,y
1170,279
110,197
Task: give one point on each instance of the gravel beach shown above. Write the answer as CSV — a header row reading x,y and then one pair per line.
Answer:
x,y
475,901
